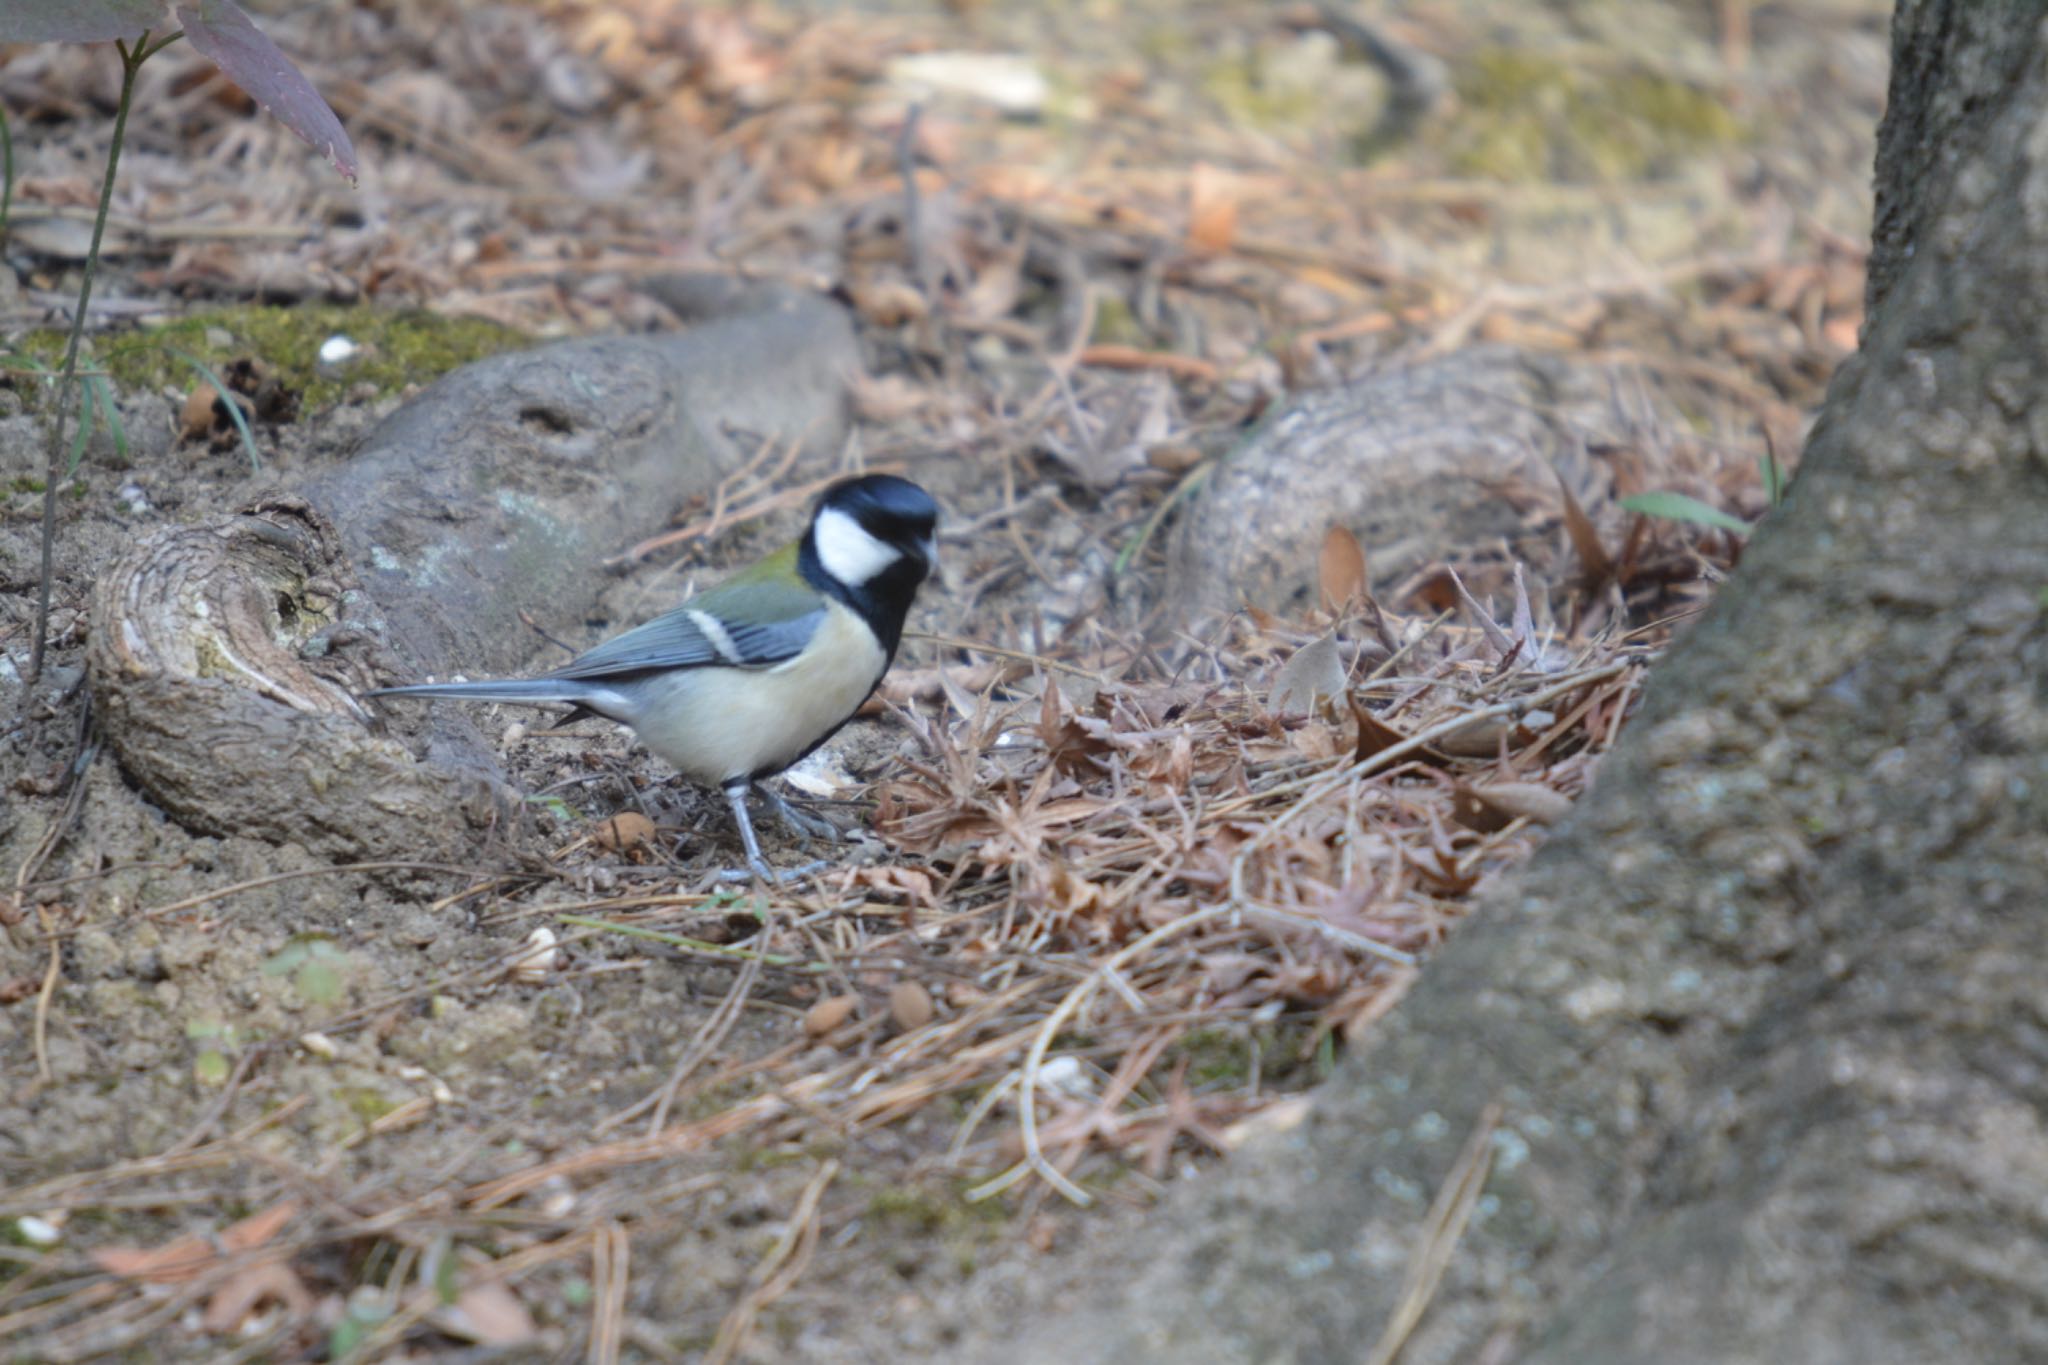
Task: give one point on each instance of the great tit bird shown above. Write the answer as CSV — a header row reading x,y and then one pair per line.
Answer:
x,y
750,676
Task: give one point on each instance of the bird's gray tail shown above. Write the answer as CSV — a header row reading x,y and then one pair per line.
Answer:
x,y
525,691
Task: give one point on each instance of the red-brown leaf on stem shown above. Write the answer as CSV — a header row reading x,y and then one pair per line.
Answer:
x,y
222,33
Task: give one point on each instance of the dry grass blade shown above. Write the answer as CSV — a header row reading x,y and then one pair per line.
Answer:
x,y
610,1258
179,907
1034,1060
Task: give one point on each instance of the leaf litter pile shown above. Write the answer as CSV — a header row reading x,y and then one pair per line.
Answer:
x,y
1132,882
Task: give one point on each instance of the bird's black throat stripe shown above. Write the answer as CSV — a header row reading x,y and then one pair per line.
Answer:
x,y
882,603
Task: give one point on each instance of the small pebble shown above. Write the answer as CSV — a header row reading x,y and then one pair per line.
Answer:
x,y
539,958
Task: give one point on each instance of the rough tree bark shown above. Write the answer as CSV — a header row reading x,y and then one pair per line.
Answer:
x,y
1764,1023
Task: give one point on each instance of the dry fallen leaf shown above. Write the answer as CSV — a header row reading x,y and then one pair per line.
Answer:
x,y
1342,568
1544,805
889,398
187,1257
1375,734
1281,1116
1593,558
172,1263
1314,671
1175,457
909,883
1493,808
249,1288
883,301
195,422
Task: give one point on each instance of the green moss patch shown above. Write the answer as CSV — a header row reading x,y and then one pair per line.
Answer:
x,y
1528,117
399,347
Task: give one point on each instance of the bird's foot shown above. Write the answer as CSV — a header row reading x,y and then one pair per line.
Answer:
x,y
762,872
801,823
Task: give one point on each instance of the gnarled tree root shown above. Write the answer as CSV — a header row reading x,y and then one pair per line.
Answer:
x,y
224,655
209,675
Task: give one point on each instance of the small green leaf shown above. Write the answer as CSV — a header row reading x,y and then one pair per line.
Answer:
x,y
286,959
557,807
88,418
211,1068
102,395
1679,507
22,360
319,982
1773,475
448,1276
346,1336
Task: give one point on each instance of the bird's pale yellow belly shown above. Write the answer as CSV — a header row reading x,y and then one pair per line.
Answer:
x,y
716,724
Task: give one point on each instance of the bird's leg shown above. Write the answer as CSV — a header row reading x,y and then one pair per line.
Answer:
x,y
736,797
802,823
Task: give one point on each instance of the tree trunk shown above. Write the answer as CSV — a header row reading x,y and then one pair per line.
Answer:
x,y
1764,1024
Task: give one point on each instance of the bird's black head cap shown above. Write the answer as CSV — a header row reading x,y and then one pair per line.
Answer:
x,y
887,507
871,542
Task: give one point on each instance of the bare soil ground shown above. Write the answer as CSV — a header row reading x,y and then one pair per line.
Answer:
x,y
1131,887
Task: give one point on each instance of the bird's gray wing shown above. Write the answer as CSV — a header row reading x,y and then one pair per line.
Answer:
x,y
693,636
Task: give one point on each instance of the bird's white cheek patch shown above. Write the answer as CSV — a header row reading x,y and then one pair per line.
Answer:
x,y
847,551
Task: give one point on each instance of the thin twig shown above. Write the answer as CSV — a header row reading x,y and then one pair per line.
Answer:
x,y
778,1270
1021,656
258,883
610,1260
